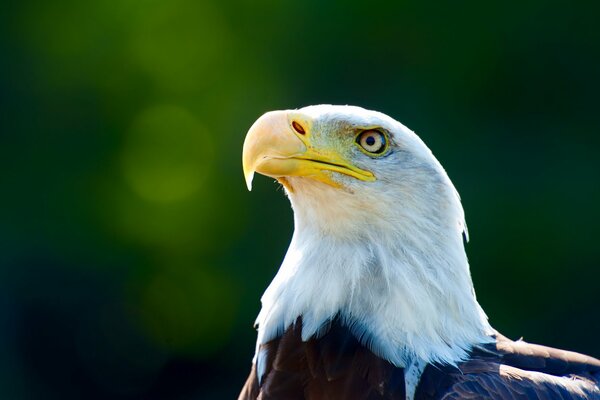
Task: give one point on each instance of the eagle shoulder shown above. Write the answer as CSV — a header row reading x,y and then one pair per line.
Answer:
x,y
333,366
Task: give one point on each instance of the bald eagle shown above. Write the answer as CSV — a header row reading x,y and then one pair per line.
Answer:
x,y
374,299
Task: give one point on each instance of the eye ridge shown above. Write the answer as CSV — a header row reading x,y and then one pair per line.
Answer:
x,y
369,139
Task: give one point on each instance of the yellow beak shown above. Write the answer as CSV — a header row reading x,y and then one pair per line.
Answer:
x,y
273,148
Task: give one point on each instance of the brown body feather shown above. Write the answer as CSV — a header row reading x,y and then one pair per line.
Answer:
x,y
337,366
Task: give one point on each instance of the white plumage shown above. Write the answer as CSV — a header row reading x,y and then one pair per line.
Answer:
x,y
389,258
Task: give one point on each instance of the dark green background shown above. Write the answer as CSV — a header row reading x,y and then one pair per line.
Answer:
x,y
132,256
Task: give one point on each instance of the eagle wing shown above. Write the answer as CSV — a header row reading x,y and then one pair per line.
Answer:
x,y
515,370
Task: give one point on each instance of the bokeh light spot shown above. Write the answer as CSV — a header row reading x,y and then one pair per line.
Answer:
x,y
166,155
180,44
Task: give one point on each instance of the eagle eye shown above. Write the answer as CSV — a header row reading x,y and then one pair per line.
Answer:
x,y
372,141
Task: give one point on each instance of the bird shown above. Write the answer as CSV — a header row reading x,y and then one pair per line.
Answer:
x,y
374,298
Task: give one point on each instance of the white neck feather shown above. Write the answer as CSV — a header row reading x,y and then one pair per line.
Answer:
x,y
400,282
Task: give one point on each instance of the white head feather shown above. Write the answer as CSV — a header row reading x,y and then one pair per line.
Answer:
x,y
387,256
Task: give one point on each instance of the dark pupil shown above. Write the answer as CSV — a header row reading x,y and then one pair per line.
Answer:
x,y
370,140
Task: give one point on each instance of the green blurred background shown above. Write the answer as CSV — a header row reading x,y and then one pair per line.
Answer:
x,y
132,256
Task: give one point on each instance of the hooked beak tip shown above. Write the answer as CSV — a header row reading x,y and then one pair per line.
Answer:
x,y
249,176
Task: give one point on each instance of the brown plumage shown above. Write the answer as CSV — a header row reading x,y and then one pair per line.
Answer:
x,y
337,366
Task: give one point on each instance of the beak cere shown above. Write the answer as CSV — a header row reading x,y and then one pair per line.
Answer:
x,y
274,148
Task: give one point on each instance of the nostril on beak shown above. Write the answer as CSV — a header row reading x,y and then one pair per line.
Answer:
x,y
298,128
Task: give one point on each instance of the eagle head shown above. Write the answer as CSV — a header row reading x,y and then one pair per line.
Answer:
x,y
378,238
